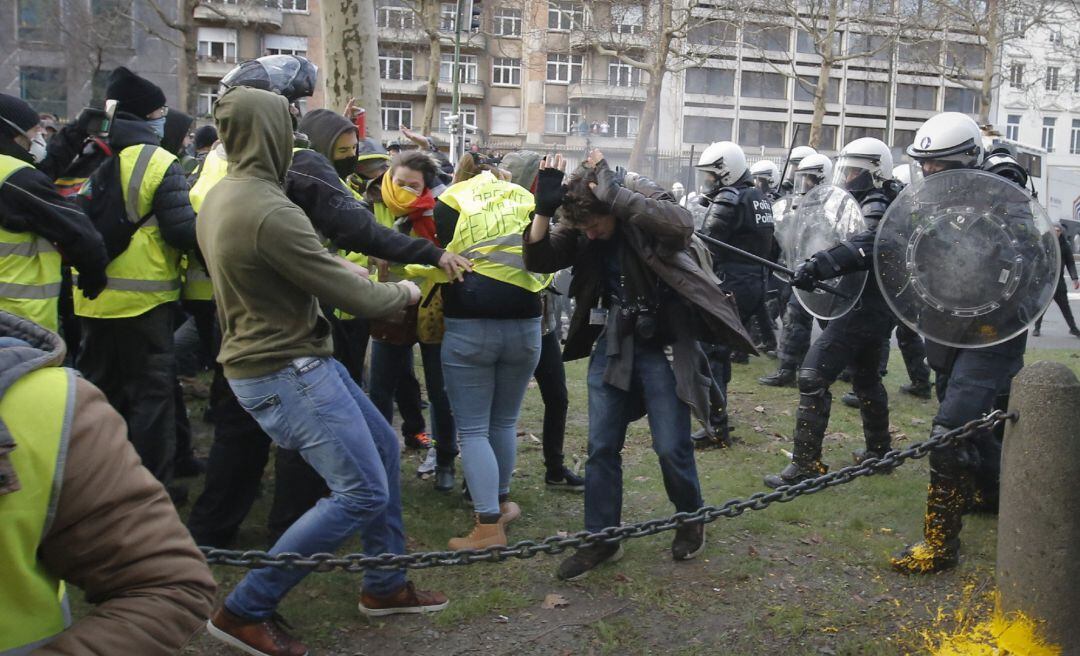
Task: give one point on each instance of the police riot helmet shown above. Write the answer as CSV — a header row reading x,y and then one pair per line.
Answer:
x,y
862,165
812,171
1001,160
725,160
902,174
291,76
766,175
951,140
678,191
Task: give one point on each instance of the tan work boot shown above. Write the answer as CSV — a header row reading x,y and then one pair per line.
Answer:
x,y
482,536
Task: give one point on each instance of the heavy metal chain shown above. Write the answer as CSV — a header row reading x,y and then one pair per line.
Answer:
x,y
324,562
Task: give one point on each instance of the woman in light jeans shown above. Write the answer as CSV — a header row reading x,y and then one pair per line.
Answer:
x,y
492,341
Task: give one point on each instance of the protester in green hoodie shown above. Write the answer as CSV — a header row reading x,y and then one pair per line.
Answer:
x,y
270,272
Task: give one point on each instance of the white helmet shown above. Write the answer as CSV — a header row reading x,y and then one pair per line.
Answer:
x,y
863,164
677,190
813,170
725,160
949,137
902,174
798,154
767,173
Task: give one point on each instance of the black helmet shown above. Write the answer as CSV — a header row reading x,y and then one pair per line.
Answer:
x,y
289,75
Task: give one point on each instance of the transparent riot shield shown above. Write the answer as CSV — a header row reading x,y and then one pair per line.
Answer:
x,y
966,258
824,217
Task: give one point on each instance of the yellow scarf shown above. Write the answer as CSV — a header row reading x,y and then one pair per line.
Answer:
x,y
400,200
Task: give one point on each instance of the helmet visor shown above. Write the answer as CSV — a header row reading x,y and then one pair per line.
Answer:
x,y
806,180
853,174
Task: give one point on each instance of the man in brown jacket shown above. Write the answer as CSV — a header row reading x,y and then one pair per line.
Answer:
x,y
639,289
76,505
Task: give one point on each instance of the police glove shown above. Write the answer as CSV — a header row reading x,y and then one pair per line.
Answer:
x,y
550,191
92,282
805,275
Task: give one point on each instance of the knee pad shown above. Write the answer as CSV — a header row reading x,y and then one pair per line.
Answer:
x,y
811,382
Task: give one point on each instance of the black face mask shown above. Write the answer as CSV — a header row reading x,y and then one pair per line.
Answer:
x,y
345,167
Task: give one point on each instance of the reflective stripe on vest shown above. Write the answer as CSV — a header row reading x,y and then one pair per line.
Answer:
x,y
197,285
37,410
492,215
29,268
147,274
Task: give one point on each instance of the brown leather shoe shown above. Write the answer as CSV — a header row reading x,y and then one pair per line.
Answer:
x,y
406,599
259,637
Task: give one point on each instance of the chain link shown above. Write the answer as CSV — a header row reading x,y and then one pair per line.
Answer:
x,y
356,562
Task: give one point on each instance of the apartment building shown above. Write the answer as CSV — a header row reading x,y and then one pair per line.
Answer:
x,y
57,54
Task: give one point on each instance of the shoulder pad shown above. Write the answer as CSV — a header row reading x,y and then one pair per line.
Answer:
x,y
874,205
727,196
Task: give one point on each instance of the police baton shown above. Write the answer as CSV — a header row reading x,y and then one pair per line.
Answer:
x,y
779,268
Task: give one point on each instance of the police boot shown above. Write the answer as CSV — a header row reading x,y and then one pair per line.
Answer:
x,y
811,419
738,357
718,437
877,445
874,412
917,388
783,377
850,399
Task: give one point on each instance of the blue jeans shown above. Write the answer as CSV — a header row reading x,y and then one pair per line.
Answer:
x,y
389,363
488,364
610,412
314,407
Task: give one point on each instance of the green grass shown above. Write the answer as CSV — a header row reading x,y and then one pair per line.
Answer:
x,y
806,577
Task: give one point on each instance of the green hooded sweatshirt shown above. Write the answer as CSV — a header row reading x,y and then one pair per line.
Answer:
x,y
268,266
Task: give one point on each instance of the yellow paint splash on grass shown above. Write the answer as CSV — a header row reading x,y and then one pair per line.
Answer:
x,y
1013,634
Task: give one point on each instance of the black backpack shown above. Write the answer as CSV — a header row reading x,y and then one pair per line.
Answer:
x,y
102,199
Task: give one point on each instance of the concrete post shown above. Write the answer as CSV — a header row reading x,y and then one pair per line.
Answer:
x,y
1038,556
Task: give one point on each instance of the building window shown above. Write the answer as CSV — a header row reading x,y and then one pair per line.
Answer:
x,y
1076,81
627,19
396,112
916,96
294,6
1048,133
806,86
962,100
853,132
395,65
33,17
564,69
393,14
559,118
714,33
920,52
901,140
507,21
468,116
447,17
1052,74
505,120
217,44
1016,75
805,44
867,93
623,75
761,133
767,37
1012,127
1074,138
506,71
965,56
706,129
208,95
623,123
758,84
44,88
467,69
277,44
870,46
711,81
1056,38
826,140
565,16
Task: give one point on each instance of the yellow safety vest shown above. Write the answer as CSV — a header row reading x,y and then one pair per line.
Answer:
x,y
37,411
195,280
355,258
147,273
492,215
29,268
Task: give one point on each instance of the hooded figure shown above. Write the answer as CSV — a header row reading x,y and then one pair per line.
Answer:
x,y
324,129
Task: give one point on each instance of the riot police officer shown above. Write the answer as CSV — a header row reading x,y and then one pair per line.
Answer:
x,y
970,381
767,179
798,324
855,339
798,154
739,215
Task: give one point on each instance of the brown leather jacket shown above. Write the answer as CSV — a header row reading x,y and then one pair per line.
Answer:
x,y
115,534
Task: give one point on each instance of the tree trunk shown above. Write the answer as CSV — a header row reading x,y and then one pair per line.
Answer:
x,y
189,38
352,58
431,93
990,53
821,96
656,82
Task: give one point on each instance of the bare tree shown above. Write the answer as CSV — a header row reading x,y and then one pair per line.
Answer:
x,y
94,41
425,16
352,58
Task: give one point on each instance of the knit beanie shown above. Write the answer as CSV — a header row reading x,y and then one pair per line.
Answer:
x,y
136,95
205,137
17,111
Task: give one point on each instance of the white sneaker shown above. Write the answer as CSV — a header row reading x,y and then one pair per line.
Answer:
x,y
427,468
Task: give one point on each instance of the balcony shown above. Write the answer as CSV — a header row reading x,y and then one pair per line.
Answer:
x,y
467,89
403,87
584,40
469,41
398,36
601,89
215,68
246,12
609,143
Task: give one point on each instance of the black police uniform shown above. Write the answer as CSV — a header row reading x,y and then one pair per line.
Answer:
x,y
856,340
739,215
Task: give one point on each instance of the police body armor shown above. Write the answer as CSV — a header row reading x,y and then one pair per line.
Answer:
x,y
742,217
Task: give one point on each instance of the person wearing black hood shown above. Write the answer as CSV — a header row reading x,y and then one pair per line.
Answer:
x,y
127,340
37,226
